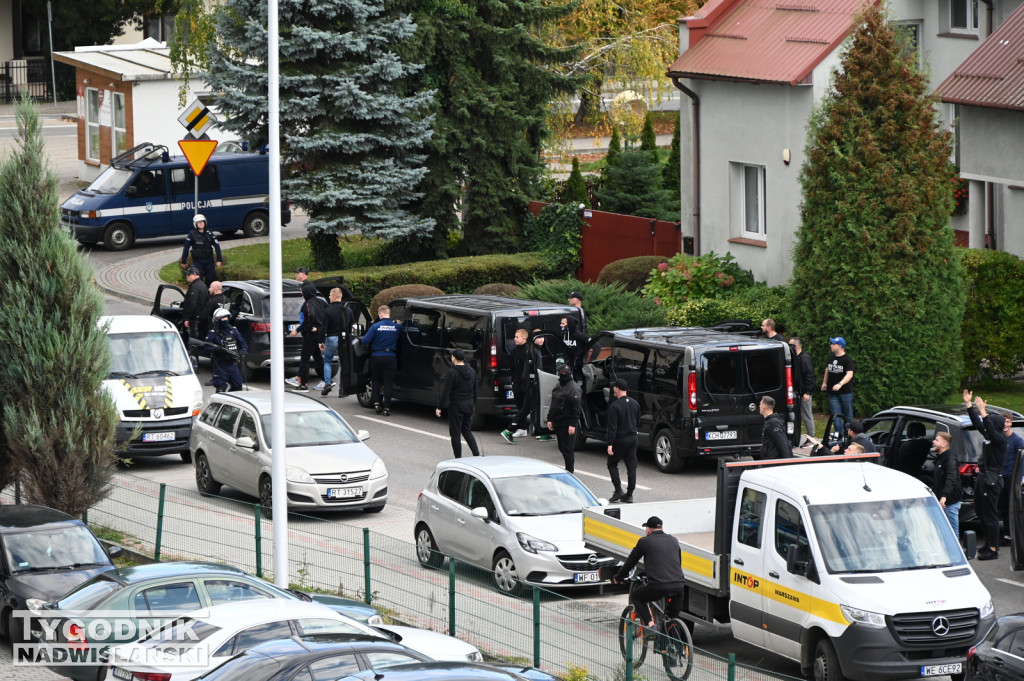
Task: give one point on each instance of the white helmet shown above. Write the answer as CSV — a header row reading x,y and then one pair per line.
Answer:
x,y
220,313
197,218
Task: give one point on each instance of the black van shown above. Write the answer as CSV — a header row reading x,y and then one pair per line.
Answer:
x,y
698,389
483,326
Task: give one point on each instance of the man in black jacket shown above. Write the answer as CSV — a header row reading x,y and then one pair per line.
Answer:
x,y
855,433
204,248
564,415
195,302
525,358
458,396
216,300
661,556
623,417
946,481
337,322
803,385
774,444
990,467
312,325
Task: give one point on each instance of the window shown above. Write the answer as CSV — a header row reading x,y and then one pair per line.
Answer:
x,y
388,659
209,415
149,183
463,331
789,529
423,328
184,182
748,530
752,198
334,667
261,633
178,597
228,591
909,35
450,484
322,625
628,363
119,131
963,16
478,496
247,427
226,419
92,124
160,27
667,380
764,372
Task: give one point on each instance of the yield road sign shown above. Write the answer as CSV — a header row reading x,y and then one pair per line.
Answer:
x,y
197,152
196,118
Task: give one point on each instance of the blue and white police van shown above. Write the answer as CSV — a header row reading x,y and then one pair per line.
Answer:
x,y
147,193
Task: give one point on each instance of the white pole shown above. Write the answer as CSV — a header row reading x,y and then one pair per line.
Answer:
x,y
53,69
280,498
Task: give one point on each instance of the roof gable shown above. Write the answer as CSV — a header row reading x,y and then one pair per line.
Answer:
x,y
993,76
774,41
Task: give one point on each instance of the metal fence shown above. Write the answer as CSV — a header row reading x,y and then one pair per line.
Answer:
x,y
23,77
540,628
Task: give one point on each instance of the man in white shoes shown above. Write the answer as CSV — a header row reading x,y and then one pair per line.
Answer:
x,y
525,357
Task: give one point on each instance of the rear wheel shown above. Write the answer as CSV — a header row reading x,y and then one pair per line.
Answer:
x,y
266,488
118,237
636,641
667,457
256,224
678,652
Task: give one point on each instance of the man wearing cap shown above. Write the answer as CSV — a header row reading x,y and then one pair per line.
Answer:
x,y
203,244
564,415
661,556
623,417
195,301
838,382
301,274
576,300
458,396
856,435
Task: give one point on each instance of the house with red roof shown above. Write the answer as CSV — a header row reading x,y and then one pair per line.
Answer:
x,y
752,72
988,93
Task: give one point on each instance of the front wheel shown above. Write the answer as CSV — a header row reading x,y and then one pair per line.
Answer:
x,y
667,456
118,237
506,576
256,224
637,642
677,655
826,662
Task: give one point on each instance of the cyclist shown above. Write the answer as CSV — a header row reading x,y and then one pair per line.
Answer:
x,y
661,556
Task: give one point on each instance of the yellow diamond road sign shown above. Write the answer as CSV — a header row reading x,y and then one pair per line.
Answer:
x,y
197,119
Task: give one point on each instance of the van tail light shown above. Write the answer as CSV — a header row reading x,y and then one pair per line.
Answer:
x,y
789,386
150,676
76,637
261,327
691,390
494,352
969,469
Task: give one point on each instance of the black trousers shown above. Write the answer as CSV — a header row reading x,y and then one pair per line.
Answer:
x,y
566,445
460,416
524,405
310,349
623,449
654,591
382,374
1004,503
986,505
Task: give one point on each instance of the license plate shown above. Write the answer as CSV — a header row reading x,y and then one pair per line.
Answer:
x,y
720,435
122,674
508,395
942,669
343,492
157,437
585,577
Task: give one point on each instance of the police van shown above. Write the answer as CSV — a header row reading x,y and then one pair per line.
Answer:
x,y
147,193
153,385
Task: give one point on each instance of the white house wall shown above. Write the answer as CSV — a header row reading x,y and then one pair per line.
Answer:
x,y
6,30
157,111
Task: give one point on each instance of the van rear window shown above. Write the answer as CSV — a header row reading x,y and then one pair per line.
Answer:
x,y
742,373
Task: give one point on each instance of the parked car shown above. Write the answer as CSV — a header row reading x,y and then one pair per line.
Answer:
x,y
999,656
519,517
45,554
250,314
904,434
151,595
232,628
447,671
327,464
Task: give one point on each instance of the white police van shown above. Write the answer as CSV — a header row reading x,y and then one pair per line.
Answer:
x,y
147,193
153,384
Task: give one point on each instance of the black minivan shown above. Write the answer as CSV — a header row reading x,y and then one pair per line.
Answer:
x,y
698,389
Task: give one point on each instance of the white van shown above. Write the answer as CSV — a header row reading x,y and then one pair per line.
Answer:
x,y
153,385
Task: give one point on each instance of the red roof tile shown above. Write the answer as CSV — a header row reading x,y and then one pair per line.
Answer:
x,y
993,76
774,41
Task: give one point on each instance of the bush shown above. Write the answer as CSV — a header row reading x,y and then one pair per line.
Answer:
x,y
632,273
499,289
607,307
685,278
993,345
556,233
404,291
752,304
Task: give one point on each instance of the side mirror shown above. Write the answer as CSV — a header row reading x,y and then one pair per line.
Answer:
x,y
114,551
246,442
970,544
363,435
602,502
481,513
794,564
132,190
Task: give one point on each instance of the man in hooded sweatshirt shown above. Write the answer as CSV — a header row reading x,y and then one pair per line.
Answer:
x,y
312,324
564,415
774,444
989,483
458,396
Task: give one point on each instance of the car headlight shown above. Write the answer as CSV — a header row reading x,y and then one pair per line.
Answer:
x,y
987,609
475,656
533,545
865,617
378,469
35,605
297,475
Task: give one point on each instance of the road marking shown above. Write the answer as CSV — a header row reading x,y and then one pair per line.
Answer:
x,y
447,438
1009,581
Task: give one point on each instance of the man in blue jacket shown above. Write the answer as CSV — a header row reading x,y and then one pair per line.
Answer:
x,y
382,341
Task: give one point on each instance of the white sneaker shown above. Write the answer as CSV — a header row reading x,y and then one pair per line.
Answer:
x,y
293,381
319,386
520,433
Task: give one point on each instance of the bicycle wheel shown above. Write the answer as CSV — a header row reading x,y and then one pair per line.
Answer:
x,y
638,641
677,654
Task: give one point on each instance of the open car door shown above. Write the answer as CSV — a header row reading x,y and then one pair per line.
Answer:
x,y
553,356
1016,493
167,304
352,378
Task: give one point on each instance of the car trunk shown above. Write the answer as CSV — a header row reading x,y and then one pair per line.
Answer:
x,y
731,383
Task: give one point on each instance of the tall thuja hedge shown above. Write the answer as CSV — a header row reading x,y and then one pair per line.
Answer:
x,y
874,259
993,342
57,422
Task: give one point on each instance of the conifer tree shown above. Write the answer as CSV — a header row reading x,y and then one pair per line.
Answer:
x,y
633,187
353,135
57,422
648,140
575,191
614,147
874,260
671,174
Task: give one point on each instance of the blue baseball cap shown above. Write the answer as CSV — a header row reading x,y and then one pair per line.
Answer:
x,y
838,340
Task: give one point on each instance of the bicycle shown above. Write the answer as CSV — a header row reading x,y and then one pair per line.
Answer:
x,y
671,636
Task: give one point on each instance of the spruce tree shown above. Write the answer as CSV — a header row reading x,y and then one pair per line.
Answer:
x,y
614,147
874,260
633,187
648,140
57,421
671,174
351,132
575,191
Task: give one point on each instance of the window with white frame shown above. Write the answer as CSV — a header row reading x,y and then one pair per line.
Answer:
x,y
92,124
119,132
909,33
963,16
749,200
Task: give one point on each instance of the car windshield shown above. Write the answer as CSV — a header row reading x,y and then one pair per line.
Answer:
x,y
88,595
548,494
110,181
56,547
134,355
309,428
881,536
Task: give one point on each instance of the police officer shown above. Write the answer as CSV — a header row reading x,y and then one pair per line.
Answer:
x,y
623,417
225,358
203,245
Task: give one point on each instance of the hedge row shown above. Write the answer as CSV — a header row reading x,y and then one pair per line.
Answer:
x,y
993,344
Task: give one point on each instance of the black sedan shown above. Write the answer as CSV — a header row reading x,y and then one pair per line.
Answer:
x,y
1000,654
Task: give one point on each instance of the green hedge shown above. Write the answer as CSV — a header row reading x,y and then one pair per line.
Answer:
x,y
607,307
752,304
993,344
633,273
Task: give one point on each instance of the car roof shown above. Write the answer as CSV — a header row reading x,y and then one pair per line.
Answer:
x,y
481,303
289,287
141,573
255,611
424,671
839,482
21,516
260,401
321,643
501,466
950,412
689,336
134,323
